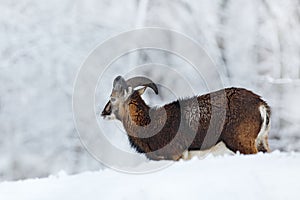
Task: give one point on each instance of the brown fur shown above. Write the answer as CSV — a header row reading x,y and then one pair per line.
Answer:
x,y
231,115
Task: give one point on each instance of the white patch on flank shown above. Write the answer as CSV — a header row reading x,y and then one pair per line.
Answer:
x,y
218,149
262,137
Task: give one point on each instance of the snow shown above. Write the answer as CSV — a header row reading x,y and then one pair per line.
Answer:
x,y
261,176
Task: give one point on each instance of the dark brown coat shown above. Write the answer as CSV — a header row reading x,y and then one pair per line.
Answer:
x,y
231,115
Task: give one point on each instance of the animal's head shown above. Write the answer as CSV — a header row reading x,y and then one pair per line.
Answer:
x,y
122,93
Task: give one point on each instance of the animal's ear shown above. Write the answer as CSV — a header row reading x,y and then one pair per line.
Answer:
x,y
119,84
142,90
107,110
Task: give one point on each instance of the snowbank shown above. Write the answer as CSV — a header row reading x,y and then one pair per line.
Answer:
x,y
262,176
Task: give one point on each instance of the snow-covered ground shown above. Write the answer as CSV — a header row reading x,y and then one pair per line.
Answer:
x,y
261,176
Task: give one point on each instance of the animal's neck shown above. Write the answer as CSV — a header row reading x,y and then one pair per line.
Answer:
x,y
139,111
136,122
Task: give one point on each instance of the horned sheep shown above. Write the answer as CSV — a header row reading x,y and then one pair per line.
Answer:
x,y
234,116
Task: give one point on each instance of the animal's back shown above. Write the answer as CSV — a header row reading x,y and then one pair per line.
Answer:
x,y
231,115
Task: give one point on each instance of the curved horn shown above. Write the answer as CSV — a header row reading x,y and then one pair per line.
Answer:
x,y
142,81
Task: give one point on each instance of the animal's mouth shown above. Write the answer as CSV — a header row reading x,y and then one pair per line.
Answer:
x,y
105,114
108,116
104,117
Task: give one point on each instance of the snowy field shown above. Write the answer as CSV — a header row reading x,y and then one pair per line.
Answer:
x,y
262,176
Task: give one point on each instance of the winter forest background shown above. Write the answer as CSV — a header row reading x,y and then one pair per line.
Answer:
x,y
254,43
